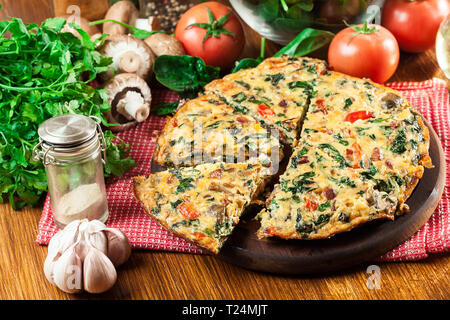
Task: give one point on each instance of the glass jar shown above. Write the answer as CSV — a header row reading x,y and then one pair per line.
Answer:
x,y
70,147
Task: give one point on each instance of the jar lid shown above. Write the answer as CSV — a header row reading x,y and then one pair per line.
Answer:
x,y
67,130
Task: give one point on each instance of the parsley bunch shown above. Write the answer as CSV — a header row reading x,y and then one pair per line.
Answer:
x,y
45,73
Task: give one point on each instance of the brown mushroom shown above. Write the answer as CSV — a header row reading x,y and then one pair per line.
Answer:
x,y
129,54
148,24
123,11
162,43
82,22
130,98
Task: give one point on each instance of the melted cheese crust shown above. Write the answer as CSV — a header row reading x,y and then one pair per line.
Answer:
x,y
201,204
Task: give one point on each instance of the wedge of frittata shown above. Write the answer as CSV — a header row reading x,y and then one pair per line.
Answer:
x,y
276,93
205,130
202,204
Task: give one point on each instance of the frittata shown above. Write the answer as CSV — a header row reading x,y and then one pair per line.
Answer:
x,y
202,204
358,151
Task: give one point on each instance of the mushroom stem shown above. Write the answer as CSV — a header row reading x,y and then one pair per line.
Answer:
x,y
130,62
133,106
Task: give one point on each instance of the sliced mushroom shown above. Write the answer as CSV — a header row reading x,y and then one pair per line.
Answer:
x,y
383,201
162,43
82,22
130,98
391,101
123,11
129,54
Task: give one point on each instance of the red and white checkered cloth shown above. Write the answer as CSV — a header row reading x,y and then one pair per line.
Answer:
x,y
431,98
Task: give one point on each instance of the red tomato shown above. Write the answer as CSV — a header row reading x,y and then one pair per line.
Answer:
x,y
311,205
358,115
365,52
265,111
414,23
206,32
188,210
321,105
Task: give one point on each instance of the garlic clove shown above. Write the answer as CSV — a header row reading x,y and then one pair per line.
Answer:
x,y
95,236
99,241
48,268
96,226
59,243
64,238
119,249
99,273
67,271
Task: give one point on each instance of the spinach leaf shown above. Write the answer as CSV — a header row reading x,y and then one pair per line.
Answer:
x,y
369,174
274,78
306,42
268,9
247,63
165,108
185,75
344,180
398,145
302,227
300,185
340,139
185,184
324,206
323,218
335,154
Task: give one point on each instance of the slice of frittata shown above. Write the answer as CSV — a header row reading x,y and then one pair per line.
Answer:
x,y
205,130
202,204
276,93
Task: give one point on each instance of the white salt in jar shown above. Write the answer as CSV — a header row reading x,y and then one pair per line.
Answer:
x,y
71,149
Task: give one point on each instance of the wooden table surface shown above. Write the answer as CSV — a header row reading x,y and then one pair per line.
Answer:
x,y
165,275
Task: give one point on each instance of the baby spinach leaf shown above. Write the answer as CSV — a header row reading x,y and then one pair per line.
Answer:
x,y
306,42
165,108
185,75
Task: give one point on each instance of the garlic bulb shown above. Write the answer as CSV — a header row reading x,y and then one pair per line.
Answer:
x,y
84,255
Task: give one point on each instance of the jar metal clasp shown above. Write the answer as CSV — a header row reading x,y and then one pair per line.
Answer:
x,y
47,159
101,137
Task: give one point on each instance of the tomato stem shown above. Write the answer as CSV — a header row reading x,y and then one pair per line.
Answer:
x,y
365,29
215,26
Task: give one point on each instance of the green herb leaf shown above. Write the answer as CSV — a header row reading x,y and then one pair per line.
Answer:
x,y
138,33
185,75
306,42
165,108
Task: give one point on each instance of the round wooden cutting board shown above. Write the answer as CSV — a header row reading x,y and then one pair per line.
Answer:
x,y
360,245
